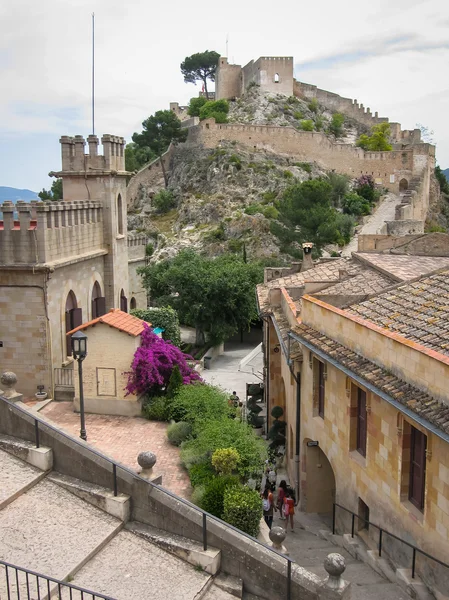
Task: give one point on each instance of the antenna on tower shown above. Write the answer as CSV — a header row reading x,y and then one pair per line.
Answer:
x,y
93,73
227,41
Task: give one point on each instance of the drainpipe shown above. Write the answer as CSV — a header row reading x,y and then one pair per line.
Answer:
x,y
298,433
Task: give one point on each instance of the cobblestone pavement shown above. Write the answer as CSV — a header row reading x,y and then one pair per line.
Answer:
x,y
374,223
123,438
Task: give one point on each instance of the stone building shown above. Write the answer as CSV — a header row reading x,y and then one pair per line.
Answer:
x,y
356,353
62,263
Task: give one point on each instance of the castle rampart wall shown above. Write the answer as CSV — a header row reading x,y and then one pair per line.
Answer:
x,y
271,73
47,232
150,174
228,80
386,167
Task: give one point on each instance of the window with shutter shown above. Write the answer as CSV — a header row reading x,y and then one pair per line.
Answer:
x,y
418,445
361,421
124,303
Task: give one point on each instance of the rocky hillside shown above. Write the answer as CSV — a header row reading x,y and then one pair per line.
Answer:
x,y
222,199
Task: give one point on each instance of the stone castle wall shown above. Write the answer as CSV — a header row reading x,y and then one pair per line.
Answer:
x,y
137,243
388,168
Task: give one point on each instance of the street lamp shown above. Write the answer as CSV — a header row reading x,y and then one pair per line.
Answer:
x,y
79,351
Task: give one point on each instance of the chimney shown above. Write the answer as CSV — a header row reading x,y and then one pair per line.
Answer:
x,y
307,262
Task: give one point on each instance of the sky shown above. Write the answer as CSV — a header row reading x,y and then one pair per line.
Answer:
x,y
391,55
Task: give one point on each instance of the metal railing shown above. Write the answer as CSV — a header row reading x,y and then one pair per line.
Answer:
x,y
64,377
382,533
39,425
19,583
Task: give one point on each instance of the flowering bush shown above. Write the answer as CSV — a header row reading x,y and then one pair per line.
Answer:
x,y
153,364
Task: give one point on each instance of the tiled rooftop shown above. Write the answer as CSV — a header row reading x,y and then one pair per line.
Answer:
x,y
366,282
416,400
403,267
418,311
118,319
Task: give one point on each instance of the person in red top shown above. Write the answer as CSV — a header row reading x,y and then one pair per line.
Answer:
x,y
288,508
280,499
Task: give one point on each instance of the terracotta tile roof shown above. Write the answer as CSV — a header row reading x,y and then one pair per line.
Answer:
x,y
284,327
118,319
414,399
402,267
367,282
418,311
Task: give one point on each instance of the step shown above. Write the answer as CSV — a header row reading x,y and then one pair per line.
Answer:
x,y
414,586
42,457
118,506
16,477
51,531
189,550
217,593
131,568
228,583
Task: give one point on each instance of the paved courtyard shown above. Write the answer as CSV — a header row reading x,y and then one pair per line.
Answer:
x,y
123,438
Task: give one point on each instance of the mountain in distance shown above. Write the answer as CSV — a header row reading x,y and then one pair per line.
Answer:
x,y
14,194
446,173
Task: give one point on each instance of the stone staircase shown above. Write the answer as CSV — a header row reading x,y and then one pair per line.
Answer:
x,y
76,532
371,577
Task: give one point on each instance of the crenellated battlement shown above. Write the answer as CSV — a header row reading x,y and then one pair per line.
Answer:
x,y
46,232
74,158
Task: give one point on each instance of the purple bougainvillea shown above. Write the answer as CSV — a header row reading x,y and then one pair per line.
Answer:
x,y
153,364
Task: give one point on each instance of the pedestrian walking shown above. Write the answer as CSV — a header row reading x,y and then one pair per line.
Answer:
x,y
288,509
268,506
280,498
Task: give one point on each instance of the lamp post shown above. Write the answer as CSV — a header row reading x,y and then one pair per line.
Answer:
x,y
79,351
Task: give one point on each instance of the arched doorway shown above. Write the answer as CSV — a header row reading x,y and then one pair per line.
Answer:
x,y
403,185
73,318
98,301
123,301
318,494
133,303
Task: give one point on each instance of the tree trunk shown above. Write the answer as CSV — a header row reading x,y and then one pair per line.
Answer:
x,y
199,337
205,88
163,170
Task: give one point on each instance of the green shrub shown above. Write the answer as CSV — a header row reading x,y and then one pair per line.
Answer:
x,y
336,124
164,201
178,432
201,474
156,409
269,197
235,160
353,204
304,166
191,456
225,460
199,403
441,177
174,383
298,115
378,141
270,212
313,105
214,491
225,433
235,245
434,228
339,185
216,235
277,412
344,225
195,105
166,318
319,122
149,250
242,508
307,125
292,100
288,174
217,109
252,209
197,495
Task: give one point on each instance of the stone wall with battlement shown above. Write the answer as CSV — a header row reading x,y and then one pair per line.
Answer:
x,y
49,232
353,109
75,159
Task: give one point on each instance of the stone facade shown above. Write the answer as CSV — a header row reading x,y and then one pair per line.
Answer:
x,y
66,260
404,385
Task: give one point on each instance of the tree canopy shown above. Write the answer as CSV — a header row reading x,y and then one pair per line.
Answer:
x,y
200,67
214,295
55,192
378,141
137,156
158,132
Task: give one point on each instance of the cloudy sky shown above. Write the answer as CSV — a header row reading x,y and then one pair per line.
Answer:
x,y
392,55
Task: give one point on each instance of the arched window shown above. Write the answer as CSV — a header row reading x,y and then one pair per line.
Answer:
x,y
73,318
133,303
98,301
276,78
119,215
123,302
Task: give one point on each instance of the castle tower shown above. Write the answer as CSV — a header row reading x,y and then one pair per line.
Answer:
x,y
92,176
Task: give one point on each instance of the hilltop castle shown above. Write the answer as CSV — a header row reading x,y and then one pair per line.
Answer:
x,y
64,263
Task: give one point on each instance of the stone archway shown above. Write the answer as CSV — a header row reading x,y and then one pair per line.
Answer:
x,y
403,185
318,493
